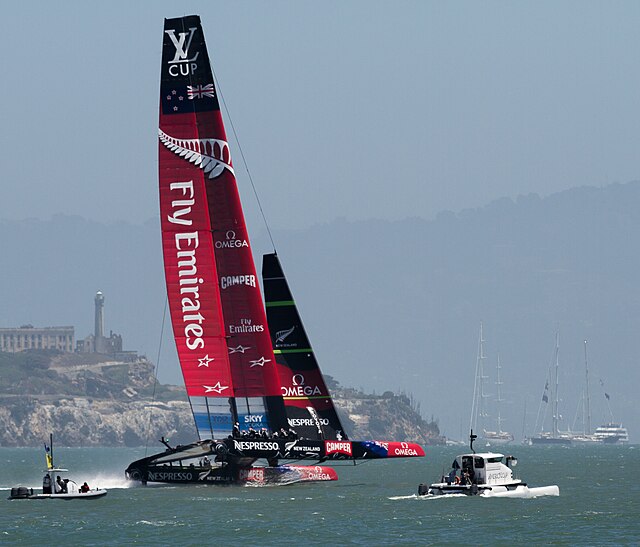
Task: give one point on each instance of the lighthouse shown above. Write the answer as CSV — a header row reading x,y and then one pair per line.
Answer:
x,y
99,339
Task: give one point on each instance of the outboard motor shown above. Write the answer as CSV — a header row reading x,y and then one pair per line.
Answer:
x,y
423,489
20,493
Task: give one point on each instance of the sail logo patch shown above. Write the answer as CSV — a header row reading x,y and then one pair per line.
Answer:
x,y
299,389
211,155
281,335
246,325
338,447
204,362
200,91
218,388
181,64
186,260
239,349
230,242
227,281
259,362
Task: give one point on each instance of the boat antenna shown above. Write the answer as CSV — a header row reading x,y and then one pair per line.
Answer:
x,y
472,438
244,161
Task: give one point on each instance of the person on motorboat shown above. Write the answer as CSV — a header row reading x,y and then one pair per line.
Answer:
x,y
451,477
61,486
46,484
84,488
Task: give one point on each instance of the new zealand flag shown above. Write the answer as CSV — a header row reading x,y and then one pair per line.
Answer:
x,y
180,98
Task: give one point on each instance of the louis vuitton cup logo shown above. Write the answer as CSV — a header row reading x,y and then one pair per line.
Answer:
x,y
182,64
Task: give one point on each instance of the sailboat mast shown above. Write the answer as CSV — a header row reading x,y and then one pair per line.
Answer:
x,y
555,395
478,389
498,391
588,398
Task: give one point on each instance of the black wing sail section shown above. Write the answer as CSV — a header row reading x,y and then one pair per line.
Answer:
x,y
309,407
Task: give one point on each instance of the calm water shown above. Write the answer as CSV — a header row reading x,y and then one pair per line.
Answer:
x,y
371,504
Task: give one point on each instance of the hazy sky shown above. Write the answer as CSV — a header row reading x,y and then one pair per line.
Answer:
x,y
353,109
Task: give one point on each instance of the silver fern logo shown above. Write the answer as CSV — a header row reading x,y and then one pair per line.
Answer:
x,y
281,335
211,155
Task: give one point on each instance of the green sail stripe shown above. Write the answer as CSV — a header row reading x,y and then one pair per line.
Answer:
x,y
276,303
301,350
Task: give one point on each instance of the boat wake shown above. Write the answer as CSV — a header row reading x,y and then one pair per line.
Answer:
x,y
426,497
110,482
525,493
519,493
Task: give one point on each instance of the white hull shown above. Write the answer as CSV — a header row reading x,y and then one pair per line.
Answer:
x,y
71,496
497,441
513,490
522,492
27,495
612,434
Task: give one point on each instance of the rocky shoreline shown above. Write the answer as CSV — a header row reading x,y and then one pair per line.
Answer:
x,y
120,404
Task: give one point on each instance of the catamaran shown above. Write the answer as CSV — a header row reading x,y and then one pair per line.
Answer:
x,y
484,474
254,385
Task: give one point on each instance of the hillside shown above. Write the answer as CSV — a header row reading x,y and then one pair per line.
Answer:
x,y
392,305
89,400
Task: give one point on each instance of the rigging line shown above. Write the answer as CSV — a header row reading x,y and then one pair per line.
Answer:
x,y
157,368
244,161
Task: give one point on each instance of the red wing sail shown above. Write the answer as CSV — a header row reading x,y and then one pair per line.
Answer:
x,y
218,318
310,409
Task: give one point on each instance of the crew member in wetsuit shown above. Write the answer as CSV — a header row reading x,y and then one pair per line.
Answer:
x,y
46,484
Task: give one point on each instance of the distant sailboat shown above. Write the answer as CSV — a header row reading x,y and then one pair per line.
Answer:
x,y
498,436
479,400
479,406
554,436
585,437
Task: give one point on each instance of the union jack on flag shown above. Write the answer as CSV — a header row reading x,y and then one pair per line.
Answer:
x,y
200,91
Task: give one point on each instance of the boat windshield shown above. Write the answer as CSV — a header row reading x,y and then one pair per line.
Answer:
x,y
495,460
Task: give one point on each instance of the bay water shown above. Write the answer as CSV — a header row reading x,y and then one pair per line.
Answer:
x,y
374,503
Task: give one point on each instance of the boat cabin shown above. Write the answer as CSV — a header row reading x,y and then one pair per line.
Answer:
x,y
483,468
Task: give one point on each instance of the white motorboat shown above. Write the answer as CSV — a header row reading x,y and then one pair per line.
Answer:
x,y
612,433
484,474
55,486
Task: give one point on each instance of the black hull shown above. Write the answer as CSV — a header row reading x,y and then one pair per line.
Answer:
x,y
230,474
231,461
550,441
